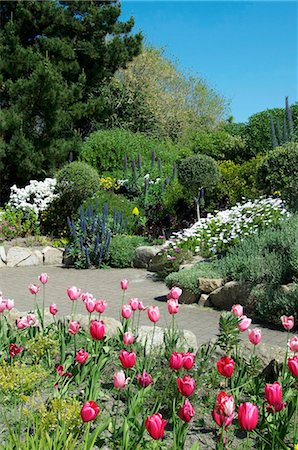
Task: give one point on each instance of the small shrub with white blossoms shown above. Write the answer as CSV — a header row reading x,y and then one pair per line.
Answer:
x,y
214,234
36,196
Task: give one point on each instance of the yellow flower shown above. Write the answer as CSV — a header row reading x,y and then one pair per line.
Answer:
x,y
135,211
296,447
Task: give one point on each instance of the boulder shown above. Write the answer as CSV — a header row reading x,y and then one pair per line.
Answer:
x,y
18,255
2,254
204,300
156,264
35,259
144,254
194,260
52,256
230,294
208,285
287,288
188,340
188,297
67,260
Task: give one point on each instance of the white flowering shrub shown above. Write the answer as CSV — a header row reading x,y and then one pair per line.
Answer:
x,y
36,196
214,234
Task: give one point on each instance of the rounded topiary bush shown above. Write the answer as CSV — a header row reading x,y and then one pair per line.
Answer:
x,y
198,171
277,173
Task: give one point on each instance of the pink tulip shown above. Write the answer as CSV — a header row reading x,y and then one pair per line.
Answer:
x,y
141,307
128,338
273,395
155,426
186,411
293,365
153,314
237,310
73,327
287,322
90,305
186,385
86,296
73,293
255,336
97,329
225,366
3,304
127,359
134,303
126,311
248,416
82,356
173,306
175,293
293,344
89,411
33,289
119,380
176,360
43,278
100,306
188,360
9,304
124,285
224,404
27,321
53,309
145,379
222,420
244,323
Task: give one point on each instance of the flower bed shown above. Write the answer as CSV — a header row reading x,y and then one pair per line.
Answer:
x,y
71,387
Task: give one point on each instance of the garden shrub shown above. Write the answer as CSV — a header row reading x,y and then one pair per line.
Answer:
x,y
18,223
122,250
37,195
105,149
273,302
278,172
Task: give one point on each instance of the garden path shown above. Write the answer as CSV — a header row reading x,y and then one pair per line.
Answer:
x,y
203,322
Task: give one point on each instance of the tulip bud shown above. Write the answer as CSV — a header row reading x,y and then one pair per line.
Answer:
x,y
248,416
175,293
293,344
82,356
124,284
188,360
153,313
173,306
244,323
53,309
134,303
14,350
145,379
186,411
126,311
97,329
287,322
225,366
155,426
128,338
90,305
100,306
89,411
293,365
237,310
73,327
43,278
33,289
73,293
255,336
119,380
186,385
273,395
127,359
176,360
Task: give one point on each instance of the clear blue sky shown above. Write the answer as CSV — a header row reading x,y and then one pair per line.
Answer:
x,y
246,50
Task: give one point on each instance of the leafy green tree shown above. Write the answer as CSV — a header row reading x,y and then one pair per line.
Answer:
x,y
54,55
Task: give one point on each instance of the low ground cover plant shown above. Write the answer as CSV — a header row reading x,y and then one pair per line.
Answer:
x,y
66,384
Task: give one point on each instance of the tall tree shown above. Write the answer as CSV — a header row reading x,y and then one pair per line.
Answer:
x,y
53,57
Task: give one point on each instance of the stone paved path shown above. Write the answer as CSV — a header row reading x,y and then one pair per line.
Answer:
x,y
106,284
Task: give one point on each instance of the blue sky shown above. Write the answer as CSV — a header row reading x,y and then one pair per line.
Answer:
x,y
246,50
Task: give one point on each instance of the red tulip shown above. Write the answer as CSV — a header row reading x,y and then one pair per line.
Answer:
x,y
89,411
119,380
73,327
173,306
33,289
97,329
293,344
53,309
224,404
82,356
237,310
145,379
293,365
127,359
186,411
126,311
188,360
153,313
176,360
128,338
14,350
73,293
225,366
43,278
248,416
100,306
287,322
134,303
124,285
155,425
186,385
255,336
222,420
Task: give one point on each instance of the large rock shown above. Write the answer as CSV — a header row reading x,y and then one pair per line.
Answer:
x,y
22,256
2,254
157,262
204,300
208,285
188,297
230,294
144,254
52,256
188,340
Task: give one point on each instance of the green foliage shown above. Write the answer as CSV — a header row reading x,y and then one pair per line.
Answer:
x,y
54,56
106,149
228,336
122,250
218,144
271,256
278,172
188,278
198,171
273,302
170,261
20,379
41,346
18,223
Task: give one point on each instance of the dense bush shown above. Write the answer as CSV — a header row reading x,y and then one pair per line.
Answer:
x,y
273,302
122,250
18,223
278,172
106,149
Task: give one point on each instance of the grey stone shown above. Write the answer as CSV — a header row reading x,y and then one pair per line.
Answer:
x,y
35,259
194,260
67,260
2,264
188,297
204,300
156,264
187,340
208,285
230,294
144,254
2,254
16,255
286,288
52,256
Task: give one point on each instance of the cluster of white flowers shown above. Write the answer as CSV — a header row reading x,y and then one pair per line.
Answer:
x,y
215,233
37,195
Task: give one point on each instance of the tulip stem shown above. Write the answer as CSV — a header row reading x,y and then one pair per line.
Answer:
x,y
151,346
43,301
295,421
247,447
285,361
87,436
